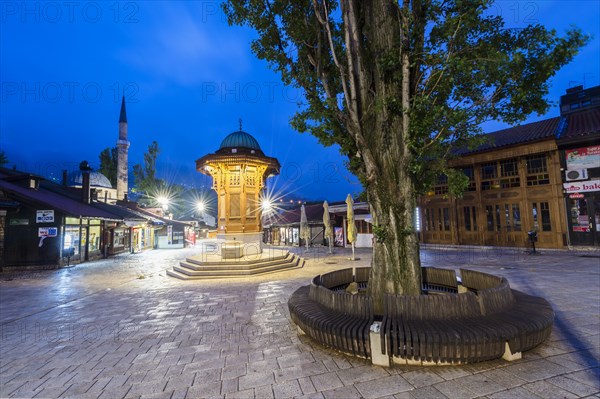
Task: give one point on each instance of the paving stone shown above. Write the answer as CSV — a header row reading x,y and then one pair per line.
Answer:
x,y
252,380
571,385
480,384
383,386
264,392
547,390
362,373
422,378
178,333
306,385
348,392
453,389
327,381
514,393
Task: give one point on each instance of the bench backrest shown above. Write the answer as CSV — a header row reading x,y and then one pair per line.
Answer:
x,y
431,307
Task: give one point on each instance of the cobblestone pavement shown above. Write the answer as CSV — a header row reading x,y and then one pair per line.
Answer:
x,y
122,328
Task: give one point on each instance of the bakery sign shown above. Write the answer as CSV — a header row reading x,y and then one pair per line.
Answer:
x,y
582,186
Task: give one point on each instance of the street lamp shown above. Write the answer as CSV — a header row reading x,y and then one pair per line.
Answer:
x,y
164,202
200,206
266,205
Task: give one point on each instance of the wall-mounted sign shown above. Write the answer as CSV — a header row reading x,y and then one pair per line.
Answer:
x,y
582,186
576,196
169,234
44,216
19,222
583,158
47,232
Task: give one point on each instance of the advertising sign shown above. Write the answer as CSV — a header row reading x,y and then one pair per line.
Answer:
x,y
47,232
582,186
44,216
583,158
169,234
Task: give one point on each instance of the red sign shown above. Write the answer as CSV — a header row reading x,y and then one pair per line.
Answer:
x,y
576,195
582,158
582,186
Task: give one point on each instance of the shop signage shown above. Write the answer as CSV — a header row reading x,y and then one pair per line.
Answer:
x,y
576,196
582,158
582,186
19,222
47,232
44,216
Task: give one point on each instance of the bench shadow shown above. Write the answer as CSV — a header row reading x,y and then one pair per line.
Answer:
x,y
569,334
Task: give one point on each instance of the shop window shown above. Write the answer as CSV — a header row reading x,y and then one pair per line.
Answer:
x,y
71,239
94,238
446,212
537,170
474,211
427,220
440,220
441,185
467,216
489,176
534,210
489,214
545,215
509,173
507,218
498,218
516,215
470,173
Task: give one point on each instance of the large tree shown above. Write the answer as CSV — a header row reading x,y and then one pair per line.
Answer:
x,y
397,85
109,163
145,174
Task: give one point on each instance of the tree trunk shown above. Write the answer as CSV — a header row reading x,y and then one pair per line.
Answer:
x,y
396,265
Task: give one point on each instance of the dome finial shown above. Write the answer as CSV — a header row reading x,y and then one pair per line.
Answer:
x,y
240,120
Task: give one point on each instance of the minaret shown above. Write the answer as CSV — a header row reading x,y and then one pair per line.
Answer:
x,y
122,149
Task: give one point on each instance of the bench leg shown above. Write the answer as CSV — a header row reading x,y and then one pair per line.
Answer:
x,y
508,355
377,358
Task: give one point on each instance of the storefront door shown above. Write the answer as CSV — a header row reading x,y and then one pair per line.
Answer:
x,y
584,220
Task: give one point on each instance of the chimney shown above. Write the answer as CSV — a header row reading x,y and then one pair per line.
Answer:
x,y
85,186
65,180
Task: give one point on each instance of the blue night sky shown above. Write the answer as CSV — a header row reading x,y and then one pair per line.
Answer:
x,y
187,77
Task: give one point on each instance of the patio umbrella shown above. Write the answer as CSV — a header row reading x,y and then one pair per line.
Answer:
x,y
351,229
328,231
304,230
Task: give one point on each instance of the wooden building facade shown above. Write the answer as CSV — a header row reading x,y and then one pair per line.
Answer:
x,y
519,183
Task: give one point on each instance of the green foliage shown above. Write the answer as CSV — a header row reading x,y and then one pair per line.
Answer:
x,y
3,158
145,174
380,233
109,163
465,68
457,182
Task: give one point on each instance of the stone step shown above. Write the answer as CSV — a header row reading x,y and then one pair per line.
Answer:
x,y
188,274
264,258
233,265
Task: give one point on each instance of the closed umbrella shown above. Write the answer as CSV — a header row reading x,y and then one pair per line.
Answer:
x,y
351,229
327,223
304,230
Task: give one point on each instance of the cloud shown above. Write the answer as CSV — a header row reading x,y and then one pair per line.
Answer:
x,y
179,43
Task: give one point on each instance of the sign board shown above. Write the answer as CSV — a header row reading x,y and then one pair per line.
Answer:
x,y
47,232
44,216
169,234
582,186
19,222
576,196
583,158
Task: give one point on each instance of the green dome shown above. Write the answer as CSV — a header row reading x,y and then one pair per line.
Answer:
x,y
240,140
